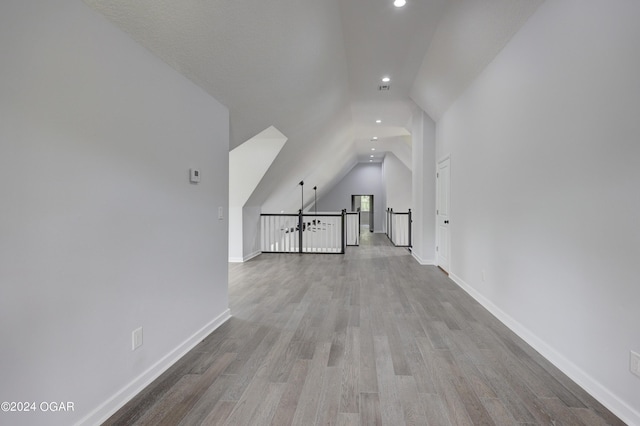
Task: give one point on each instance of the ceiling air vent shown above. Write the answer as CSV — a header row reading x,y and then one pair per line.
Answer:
x,y
384,87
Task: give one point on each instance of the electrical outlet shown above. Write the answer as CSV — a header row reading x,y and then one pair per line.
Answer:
x,y
136,338
634,363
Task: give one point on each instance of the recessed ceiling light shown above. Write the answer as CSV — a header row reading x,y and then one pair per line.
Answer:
x,y
378,121
375,138
371,161
371,156
373,149
386,79
399,3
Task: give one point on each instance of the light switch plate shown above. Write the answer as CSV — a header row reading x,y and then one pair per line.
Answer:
x,y
136,338
634,363
194,175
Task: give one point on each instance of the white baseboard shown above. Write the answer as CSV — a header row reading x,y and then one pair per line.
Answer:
x,y
252,255
245,258
627,414
124,395
425,262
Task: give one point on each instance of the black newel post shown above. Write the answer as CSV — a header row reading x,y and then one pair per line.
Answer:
x,y
300,216
344,230
302,195
315,198
410,220
300,231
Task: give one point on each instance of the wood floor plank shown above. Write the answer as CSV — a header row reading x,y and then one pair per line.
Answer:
x,y
498,412
250,367
207,402
370,410
307,407
349,389
561,414
198,387
369,337
435,410
446,385
247,349
283,359
268,405
368,378
289,400
248,402
390,404
348,419
507,395
337,349
398,358
329,401
418,368
219,414
472,404
163,408
591,418
412,407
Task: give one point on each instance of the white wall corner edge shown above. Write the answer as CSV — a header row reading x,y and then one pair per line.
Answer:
x,y
124,395
618,407
421,261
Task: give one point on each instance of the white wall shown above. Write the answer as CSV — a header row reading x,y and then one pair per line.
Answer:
x,y
363,179
251,231
545,176
100,230
236,238
423,239
244,233
396,179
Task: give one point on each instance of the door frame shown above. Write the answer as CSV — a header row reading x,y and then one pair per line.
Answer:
x,y
371,208
444,158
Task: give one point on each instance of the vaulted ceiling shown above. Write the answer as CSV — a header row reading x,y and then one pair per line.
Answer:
x,y
312,69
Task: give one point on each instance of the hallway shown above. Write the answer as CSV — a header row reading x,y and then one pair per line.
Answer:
x,y
367,338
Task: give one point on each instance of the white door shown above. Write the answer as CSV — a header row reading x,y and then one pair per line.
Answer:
x,y
443,204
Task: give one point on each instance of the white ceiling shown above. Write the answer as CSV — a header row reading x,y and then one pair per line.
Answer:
x,y
311,68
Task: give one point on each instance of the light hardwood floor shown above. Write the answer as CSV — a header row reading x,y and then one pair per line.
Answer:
x,y
367,338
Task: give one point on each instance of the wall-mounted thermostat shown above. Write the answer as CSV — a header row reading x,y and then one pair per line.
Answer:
x,y
194,175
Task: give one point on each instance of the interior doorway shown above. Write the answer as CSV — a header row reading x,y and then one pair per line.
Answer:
x,y
364,203
443,205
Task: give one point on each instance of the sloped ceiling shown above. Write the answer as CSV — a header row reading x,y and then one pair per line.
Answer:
x,y
312,68
468,37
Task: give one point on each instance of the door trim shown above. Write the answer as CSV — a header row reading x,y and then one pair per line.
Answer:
x,y
371,207
448,254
